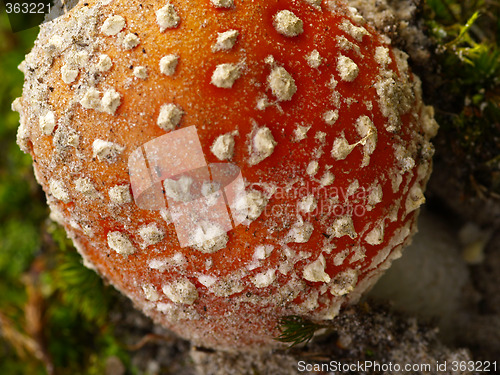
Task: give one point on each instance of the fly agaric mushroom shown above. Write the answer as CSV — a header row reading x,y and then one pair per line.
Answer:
x,y
322,119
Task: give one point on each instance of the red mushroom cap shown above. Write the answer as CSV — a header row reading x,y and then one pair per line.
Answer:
x,y
306,112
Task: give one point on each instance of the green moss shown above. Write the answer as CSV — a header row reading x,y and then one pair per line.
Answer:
x,y
468,98
80,288
296,330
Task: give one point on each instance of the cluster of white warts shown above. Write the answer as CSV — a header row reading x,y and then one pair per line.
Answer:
x,y
280,81
283,87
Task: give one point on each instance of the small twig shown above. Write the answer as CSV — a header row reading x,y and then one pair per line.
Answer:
x,y
150,337
22,343
480,190
34,313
